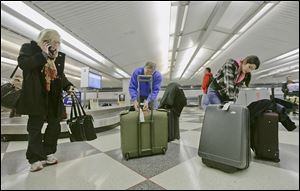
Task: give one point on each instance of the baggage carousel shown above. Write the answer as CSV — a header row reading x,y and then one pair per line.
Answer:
x,y
105,118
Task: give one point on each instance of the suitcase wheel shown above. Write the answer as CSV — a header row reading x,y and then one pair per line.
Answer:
x,y
126,156
164,150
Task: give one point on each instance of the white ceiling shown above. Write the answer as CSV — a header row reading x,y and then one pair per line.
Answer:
x,y
128,34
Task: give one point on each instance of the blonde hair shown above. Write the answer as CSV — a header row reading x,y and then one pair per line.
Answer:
x,y
48,35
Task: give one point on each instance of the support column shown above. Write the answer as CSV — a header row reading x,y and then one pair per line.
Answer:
x,y
125,86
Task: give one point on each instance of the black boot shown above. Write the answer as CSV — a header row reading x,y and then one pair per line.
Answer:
x,y
288,124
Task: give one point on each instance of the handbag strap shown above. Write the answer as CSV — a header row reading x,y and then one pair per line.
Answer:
x,y
13,73
73,108
78,104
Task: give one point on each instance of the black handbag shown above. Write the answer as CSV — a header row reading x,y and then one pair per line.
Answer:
x,y
81,127
10,94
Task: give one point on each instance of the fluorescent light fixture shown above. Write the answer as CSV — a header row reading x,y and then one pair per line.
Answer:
x,y
285,55
185,59
281,70
170,57
10,44
229,41
9,61
31,32
276,67
37,18
198,72
186,8
117,75
179,40
73,77
122,73
286,73
176,53
11,21
67,65
171,42
174,13
200,54
256,17
206,63
161,14
215,55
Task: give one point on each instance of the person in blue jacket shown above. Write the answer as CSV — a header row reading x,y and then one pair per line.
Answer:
x,y
145,95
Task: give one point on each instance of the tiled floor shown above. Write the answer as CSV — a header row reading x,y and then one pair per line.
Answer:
x,y
99,164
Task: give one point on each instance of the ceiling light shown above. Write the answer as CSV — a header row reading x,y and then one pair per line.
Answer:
x,y
275,67
285,55
10,44
215,55
31,32
256,17
173,18
67,65
37,18
184,18
229,41
74,77
9,61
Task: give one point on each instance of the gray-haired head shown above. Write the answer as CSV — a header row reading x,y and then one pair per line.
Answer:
x,y
48,35
150,65
149,68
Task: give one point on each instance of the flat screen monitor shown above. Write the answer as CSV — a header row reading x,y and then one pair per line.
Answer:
x,y
94,80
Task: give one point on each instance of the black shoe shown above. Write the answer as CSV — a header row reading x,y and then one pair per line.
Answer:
x,y
289,125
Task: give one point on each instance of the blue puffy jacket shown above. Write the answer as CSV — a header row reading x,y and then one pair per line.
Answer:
x,y
144,86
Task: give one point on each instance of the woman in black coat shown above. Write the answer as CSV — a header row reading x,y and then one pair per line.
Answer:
x,y
41,98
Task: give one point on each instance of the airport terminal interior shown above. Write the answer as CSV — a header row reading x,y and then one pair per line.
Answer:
x,y
104,43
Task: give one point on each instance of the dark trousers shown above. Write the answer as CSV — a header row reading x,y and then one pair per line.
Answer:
x,y
40,146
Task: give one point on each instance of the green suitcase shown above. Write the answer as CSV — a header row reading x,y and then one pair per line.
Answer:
x,y
144,138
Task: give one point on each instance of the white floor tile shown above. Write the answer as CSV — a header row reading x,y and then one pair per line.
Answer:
x,y
193,174
189,138
16,145
189,126
64,140
288,137
106,142
91,173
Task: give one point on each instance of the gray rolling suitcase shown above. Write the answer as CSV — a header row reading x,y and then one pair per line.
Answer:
x,y
225,140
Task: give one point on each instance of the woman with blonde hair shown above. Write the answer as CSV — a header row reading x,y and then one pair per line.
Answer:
x,y
41,98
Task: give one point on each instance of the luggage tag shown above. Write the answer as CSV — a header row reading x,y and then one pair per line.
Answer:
x,y
226,106
142,117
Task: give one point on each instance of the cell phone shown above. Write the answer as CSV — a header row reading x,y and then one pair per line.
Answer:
x,y
50,50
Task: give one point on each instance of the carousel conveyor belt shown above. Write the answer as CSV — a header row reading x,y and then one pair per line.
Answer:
x,y
14,129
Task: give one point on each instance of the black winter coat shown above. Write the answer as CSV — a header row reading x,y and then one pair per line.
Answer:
x,y
257,109
34,99
173,98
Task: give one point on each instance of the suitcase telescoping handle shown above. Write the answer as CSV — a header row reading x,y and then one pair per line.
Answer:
x,y
144,78
273,99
